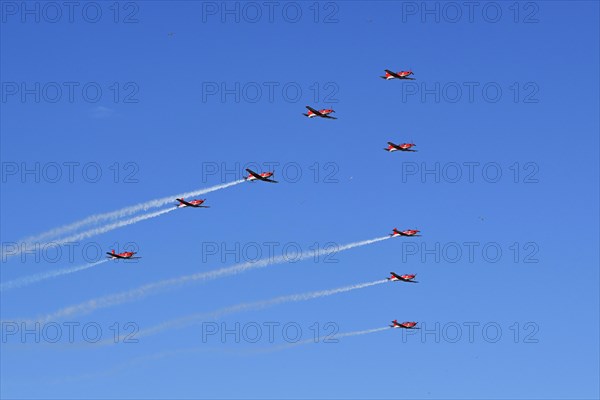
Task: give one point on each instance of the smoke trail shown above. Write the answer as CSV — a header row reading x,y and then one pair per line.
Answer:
x,y
29,280
143,360
152,288
307,341
365,332
109,227
257,305
189,350
113,215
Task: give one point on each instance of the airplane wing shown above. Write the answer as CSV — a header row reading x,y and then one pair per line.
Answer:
x,y
185,202
394,145
327,116
121,257
395,75
200,206
115,255
258,176
254,174
268,180
309,108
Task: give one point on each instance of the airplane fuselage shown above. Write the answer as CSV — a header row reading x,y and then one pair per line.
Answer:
x,y
311,114
127,254
404,325
403,278
400,75
410,232
264,175
193,203
402,147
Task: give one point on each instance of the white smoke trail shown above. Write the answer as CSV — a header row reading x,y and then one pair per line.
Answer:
x,y
257,305
113,215
151,288
190,350
142,360
307,341
365,332
29,280
110,227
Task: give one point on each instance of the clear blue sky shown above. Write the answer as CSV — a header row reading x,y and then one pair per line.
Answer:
x,y
167,61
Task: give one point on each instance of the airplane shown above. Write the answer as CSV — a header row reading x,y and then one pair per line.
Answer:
x,y
403,278
127,255
263,176
405,325
399,75
319,113
399,147
408,232
193,203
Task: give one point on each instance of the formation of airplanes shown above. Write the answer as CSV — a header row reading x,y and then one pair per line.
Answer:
x,y
408,147
268,177
325,113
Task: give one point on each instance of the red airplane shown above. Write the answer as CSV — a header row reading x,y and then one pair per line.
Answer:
x,y
127,255
324,113
404,325
408,232
194,203
399,75
403,278
262,177
399,147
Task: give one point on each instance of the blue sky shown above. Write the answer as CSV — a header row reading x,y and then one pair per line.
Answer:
x,y
159,123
